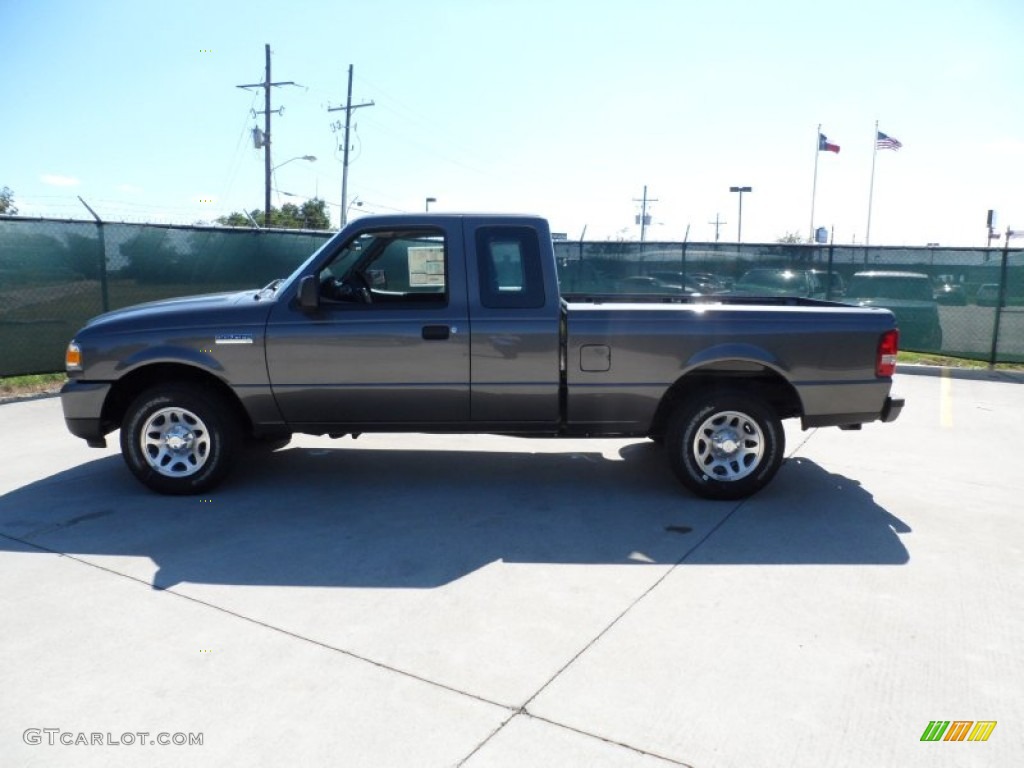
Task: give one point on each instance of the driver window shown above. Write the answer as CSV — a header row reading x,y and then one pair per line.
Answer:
x,y
407,268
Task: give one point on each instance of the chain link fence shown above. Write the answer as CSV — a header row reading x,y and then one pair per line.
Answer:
x,y
55,275
962,302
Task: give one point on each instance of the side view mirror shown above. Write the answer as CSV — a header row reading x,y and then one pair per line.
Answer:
x,y
309,293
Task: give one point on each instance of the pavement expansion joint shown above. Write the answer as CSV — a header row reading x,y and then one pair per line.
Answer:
x,y
524,710
514,711
806,438
686,555
613,742
258,622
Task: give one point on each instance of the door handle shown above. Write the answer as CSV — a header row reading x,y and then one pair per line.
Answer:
x,y
436,332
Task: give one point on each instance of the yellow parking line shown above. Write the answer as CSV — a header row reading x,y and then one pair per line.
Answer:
x,y
946,400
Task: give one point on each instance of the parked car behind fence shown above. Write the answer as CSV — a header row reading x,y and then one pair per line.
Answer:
x,y
909,296
804,283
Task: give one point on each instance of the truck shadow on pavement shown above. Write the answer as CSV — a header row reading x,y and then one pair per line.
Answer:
x,y
352,517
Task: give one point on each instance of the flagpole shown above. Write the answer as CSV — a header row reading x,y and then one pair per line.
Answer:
x,y
814,185
871,189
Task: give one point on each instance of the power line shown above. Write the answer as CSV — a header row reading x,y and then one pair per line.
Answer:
x,y
349,108
236,158
266,85
644,218
718,223
409,115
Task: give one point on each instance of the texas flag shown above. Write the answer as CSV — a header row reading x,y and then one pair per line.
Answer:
x,y
825,146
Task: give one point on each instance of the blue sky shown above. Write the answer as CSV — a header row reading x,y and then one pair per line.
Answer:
x,y
562,108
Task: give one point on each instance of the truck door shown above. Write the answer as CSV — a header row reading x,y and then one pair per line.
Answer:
x,y
516,327
389,341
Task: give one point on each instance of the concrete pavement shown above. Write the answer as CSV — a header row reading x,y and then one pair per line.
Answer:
x,y
485,601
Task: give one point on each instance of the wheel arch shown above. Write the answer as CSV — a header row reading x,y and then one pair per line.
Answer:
x,y
128,387
738,375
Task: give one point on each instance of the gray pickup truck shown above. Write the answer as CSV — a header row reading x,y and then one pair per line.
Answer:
x,y
455,324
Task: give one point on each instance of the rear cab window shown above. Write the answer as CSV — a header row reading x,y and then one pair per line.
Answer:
x,y
509,267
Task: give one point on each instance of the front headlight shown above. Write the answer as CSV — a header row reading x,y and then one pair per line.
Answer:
x,y
73,357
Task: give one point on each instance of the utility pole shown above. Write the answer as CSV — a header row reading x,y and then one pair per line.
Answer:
x,y
349,108
266,85
718,223
644,218
1000,298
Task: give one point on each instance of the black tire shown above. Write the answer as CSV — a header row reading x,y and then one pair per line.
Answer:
x,y
179,438
748,453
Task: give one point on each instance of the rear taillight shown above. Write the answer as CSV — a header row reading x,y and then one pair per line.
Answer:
x,y
888,346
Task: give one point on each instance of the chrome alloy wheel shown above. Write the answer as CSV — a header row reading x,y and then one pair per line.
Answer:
x,y
175,442
728,446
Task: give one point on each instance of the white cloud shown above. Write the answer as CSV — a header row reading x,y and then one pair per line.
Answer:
x,y
55,180
129,188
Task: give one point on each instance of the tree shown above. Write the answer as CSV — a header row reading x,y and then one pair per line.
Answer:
x,y
792,237
7,202
237,219
152,259
83,255
312,214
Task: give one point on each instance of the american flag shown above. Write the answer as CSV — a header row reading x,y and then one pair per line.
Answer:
x,y
885,141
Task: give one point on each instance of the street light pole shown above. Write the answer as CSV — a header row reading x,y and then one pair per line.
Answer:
x,y
429,201
739,225
310,158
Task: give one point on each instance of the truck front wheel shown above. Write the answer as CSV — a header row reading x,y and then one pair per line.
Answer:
x,y
178,438
725,445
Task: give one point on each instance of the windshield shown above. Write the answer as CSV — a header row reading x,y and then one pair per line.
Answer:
x,y
346,255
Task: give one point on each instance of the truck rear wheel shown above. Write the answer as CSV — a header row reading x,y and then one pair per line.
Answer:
x,y
725,445
179,438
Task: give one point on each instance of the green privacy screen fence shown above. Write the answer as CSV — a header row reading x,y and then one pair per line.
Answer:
x,y
963,302
55,275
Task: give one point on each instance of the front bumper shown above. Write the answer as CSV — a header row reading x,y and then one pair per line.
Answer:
x,y
82,402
